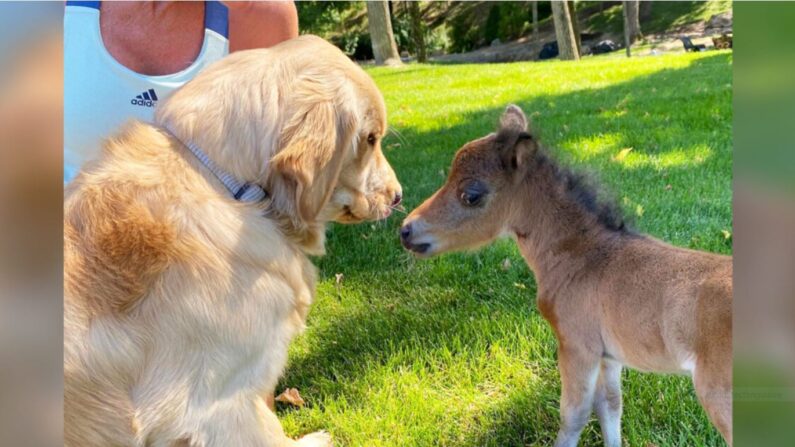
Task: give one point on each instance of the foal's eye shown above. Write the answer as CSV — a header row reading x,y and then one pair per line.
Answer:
x,y
371,139
470,199
473,194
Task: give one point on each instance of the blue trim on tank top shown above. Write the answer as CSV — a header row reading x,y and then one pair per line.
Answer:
x,y
94,5
216,17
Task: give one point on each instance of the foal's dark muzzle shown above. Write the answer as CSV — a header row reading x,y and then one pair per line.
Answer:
x,y
406,237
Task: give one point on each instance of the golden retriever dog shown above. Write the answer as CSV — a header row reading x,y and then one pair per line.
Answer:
x,y
180,301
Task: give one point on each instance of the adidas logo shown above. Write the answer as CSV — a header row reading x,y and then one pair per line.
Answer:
x,y
145,99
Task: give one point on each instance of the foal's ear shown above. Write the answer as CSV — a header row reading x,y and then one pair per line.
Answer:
x,y
513,119
515,143
516,149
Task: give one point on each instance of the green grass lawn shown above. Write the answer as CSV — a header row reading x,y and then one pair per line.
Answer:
x,y
452,351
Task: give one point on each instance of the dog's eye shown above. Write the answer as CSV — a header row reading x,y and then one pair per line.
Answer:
x,y
371,139
472,194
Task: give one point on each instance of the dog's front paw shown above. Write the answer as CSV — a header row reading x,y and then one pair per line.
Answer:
x,y
316,439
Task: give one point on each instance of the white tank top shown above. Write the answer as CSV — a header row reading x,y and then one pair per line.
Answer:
x,y
100,94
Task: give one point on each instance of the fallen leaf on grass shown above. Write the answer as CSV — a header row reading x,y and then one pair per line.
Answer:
x,y
519,285
622,154
291,396
726,234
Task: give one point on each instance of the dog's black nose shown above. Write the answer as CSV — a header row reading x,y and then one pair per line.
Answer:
x,y
405,232
397,200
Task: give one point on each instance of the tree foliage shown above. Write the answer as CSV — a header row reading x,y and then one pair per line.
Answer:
x,y
477,24
342,23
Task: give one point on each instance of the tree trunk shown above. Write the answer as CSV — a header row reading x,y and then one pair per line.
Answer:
x,y
381,35
645,10
632,20
417,31
627,39
575,25
535,21
564,32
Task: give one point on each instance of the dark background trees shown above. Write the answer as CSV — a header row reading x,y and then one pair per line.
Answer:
x,y
443,26
427,29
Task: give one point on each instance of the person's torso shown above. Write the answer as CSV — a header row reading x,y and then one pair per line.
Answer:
x,y
100,94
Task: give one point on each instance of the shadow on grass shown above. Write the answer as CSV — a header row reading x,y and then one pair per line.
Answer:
x,y
508,422
390,301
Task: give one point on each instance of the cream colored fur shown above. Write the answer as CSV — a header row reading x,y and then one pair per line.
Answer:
x,y
180,302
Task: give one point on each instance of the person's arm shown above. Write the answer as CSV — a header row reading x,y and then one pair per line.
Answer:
x,y
261,24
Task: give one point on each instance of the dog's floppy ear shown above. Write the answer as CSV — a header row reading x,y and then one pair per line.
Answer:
x,y
308,167
514,141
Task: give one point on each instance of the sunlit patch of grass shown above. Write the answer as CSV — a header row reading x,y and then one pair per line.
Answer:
x,y
452,351
598,144
691,157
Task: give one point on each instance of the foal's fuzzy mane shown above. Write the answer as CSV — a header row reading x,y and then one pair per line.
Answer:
x,y
583,190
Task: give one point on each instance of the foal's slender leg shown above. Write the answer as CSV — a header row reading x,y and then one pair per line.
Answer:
x,y
713,383
712,377
579,370
607,402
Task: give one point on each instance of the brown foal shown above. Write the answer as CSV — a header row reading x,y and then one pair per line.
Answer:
x,y
612,296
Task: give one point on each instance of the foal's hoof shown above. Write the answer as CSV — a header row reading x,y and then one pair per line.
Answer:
x,y
316,439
